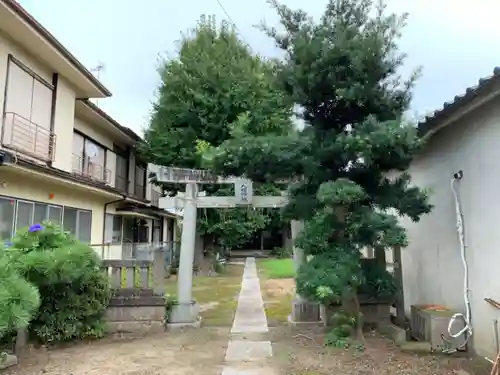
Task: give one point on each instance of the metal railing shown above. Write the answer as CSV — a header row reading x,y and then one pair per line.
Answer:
x,y
167,250
155,197
89,169
26,137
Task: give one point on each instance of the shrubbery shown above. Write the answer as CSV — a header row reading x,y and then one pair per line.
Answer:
x,y
74,292
372,280
19,299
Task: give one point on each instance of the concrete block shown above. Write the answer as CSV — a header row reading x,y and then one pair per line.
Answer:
x,y
7,360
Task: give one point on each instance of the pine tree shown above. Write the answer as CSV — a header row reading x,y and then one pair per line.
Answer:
x,y
342,71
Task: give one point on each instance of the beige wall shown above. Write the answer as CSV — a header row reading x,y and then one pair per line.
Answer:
x,y
432,266
38,189
65,98
94,132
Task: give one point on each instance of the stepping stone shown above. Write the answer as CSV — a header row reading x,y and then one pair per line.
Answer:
x,y
244,351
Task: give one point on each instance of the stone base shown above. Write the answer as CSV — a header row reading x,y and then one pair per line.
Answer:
x,y
134,326
7,360
181,326
184,313
397,334
304,312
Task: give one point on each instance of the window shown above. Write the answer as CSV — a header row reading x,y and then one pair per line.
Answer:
x,y
88,157
28,213
24,215
157,231
78,222
28,96
6,218
140,175
113,229
28,112
121,173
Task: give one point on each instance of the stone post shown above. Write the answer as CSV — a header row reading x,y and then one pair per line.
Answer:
x,y
303,311
186,311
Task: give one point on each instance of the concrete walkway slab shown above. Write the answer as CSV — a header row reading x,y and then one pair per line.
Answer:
x,y
245,351
243,355
250,315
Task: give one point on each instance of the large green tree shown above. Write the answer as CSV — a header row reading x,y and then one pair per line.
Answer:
x,y
342,70
214,90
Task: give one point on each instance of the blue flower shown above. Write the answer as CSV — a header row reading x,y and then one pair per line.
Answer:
x,y
8,244
36,228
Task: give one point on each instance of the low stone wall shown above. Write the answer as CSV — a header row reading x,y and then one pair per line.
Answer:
x,y
375,313
136,310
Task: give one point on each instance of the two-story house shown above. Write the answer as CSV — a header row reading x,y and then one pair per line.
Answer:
x,y
61,157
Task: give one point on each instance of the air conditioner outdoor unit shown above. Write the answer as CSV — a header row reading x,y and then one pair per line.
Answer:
x,y
429,323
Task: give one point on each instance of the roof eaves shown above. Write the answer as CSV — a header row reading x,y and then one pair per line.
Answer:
x,y
127,131
432,122
28,18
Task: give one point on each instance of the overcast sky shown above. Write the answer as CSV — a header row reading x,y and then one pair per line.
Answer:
x,y
456,42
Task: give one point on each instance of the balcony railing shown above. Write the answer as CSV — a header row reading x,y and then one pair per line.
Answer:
x,y
22,135
155,198
90,170
167,251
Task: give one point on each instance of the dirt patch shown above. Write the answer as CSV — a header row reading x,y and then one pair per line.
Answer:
x,y
303,353
208,306
278,295
279,287
216,294
181,353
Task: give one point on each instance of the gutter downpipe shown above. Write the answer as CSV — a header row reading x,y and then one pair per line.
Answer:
x,y
123,198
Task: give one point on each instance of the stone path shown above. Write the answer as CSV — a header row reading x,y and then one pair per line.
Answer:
x,y
248,351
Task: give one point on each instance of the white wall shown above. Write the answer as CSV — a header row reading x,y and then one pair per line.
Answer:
x,y
432,267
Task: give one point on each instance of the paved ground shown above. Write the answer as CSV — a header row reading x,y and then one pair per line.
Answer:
x,y
248,353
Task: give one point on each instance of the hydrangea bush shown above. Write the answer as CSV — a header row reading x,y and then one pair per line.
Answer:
x,y
74,292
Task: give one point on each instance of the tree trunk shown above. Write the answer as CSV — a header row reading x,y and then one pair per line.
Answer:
x,y
359,335
351,305
380,256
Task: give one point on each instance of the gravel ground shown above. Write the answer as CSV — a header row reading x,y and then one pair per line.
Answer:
x,y
303,353
193,352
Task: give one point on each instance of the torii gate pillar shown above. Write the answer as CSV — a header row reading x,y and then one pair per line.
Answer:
x,y
185,312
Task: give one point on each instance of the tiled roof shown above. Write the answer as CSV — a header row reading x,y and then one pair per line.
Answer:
x,y
483,86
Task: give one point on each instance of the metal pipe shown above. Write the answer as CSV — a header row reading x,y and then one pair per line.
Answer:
x,y
495,328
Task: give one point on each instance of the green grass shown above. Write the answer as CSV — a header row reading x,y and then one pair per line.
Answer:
x,y
277,268
218,293
273,273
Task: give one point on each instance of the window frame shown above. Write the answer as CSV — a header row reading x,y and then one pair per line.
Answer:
x,y
15,201
112,229
86,162
11,60
78,210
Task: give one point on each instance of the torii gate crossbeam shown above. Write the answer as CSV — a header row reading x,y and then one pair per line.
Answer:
x,y
186,312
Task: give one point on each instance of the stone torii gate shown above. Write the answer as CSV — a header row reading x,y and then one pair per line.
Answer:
x,y
185,313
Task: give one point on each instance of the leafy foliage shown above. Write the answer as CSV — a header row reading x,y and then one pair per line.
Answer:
x,y
349,162
214,90
74,291
19,298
